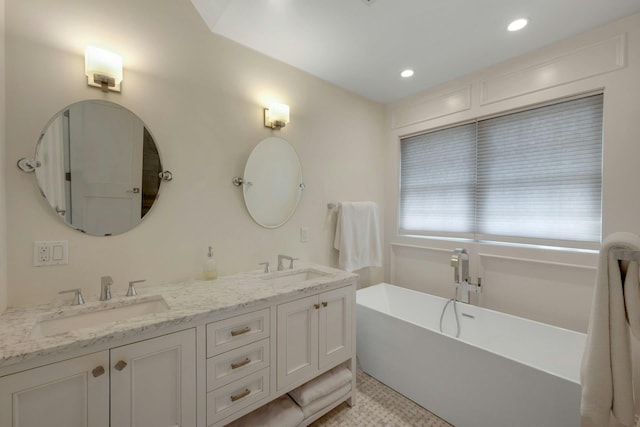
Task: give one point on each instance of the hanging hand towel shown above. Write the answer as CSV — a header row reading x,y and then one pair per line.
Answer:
x,y
606,364
358,236
632,299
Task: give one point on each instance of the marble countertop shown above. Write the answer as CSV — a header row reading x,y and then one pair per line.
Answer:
x,y
188,303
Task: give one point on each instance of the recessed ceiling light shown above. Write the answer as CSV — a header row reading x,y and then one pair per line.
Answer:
x,y
518,24
407,73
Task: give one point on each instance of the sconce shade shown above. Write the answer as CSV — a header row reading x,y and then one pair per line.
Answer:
x,y
276,116
103,68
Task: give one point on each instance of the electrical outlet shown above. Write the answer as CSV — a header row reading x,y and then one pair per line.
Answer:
x,y
304,234
43,253
52,252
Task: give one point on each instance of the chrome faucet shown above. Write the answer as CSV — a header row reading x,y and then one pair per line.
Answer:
x,y
105,288
283,257
78,299
267,269
460,264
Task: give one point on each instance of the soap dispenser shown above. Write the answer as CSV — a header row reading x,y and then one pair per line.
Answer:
x,y
209,268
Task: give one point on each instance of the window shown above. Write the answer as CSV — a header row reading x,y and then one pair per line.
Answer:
x,y
528,177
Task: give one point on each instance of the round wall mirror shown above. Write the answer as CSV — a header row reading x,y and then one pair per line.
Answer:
x,y
98,167
272,182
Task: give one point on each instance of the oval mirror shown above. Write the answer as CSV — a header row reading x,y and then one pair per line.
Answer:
x,y
98,167
272,182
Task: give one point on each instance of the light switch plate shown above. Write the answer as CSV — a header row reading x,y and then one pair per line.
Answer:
x,y
304,234
50,252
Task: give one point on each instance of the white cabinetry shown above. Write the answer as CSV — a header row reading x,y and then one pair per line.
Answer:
x,y
243,359
313,334
72,393
153,382
238,361
150,383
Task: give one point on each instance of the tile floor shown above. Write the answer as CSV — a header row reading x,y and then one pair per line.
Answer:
x,y
379,406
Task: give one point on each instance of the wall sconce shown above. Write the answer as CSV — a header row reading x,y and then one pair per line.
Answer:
x,y
103,69
276,116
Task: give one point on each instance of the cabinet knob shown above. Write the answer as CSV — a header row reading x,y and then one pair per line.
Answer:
x,y
316,306
120,365
324,303
97,371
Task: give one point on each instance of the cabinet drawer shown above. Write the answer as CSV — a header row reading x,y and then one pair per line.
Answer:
x,y
235,364
237,331
226,400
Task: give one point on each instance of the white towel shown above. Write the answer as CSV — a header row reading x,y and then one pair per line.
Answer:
x,y
632,298
282,412
320,404
358,236
606,374
321,386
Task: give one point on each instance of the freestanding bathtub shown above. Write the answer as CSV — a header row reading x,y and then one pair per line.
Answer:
x,y
502,371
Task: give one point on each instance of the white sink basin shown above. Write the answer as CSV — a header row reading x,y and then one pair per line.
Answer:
x,y
86,317
295,276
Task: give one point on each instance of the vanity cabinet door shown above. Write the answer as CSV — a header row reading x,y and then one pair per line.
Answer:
x,y
71,393
313,334
297,341
153,382
335,327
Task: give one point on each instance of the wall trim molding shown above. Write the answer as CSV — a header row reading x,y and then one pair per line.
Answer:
x,y
536,261
481,256
429,108
588,61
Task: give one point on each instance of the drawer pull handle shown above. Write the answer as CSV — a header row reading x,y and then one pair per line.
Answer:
x,y
316,306
245,393
240,331
120,365
237,365
97,371
324,303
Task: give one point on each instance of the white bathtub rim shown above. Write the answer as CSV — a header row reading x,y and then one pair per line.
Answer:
x,y
444,300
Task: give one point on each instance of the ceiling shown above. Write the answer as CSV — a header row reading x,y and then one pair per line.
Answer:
x,y
363,45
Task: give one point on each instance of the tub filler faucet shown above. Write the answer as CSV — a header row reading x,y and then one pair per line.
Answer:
x,y
460,264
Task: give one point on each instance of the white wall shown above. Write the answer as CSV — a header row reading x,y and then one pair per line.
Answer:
x,y
202,97
550,286
3,209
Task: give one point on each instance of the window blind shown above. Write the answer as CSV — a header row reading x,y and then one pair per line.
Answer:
x,y
540,172
535,174
438,174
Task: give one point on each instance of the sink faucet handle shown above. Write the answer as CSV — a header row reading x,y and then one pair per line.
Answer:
x,y
78,299
266,267
291,264
105,288
132,290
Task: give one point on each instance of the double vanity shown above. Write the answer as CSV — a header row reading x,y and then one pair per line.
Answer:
x,y
200,353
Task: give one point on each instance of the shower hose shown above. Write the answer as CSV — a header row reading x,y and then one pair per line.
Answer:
x,y
455,311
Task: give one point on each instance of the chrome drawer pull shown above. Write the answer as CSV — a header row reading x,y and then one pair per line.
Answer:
x,y
237,365
245,393
240,331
